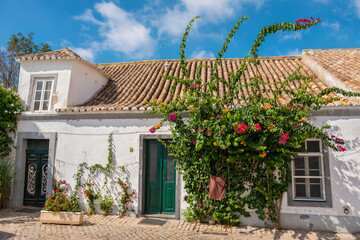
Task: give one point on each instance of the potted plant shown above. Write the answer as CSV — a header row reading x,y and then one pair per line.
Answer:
x,y
61,209
6,179
105,205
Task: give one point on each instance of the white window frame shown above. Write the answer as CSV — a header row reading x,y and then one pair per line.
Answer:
x,y
44,80
307,183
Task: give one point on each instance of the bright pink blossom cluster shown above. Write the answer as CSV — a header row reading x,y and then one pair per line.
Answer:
x,y
306,20
240,128
194,85
341,148
284,138
172,117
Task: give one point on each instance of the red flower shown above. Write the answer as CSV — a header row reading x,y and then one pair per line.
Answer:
x,y
257,127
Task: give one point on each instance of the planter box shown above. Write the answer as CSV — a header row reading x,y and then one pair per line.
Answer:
x,y
71,218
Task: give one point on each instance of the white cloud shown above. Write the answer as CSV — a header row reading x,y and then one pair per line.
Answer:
x,y
292,36
120,32
334,26
357,5
175,19
88,54
202,54
294,52
87,16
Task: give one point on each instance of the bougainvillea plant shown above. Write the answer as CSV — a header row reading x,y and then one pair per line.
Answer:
x,y
10,108
248,139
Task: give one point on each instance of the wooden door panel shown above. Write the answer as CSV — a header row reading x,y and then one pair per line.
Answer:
x,y
159,179
153,178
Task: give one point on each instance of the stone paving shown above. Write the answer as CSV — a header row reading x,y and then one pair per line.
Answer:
x,y
20,225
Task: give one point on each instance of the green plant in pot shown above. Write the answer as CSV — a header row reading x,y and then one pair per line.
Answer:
x,y
7,175
105,204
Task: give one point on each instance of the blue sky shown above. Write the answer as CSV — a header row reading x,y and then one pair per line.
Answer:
x,y
123,30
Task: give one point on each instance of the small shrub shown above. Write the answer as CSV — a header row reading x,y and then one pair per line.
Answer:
x,y
105,204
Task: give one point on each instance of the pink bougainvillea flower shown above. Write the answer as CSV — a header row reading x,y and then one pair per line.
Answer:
x,y
240,128
199,130
194,143
222,132
194,85
172,117
218,116
284,138
151,130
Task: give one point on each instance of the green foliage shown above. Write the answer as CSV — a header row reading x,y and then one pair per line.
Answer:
x,y
7,175
20,45
105,204
247,139
74,203
10,108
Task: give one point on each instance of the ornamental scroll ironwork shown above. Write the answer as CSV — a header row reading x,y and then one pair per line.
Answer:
x,y
31,179
44,179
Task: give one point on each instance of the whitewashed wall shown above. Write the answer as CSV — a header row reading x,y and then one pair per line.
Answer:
x,y
60,67
86,140
85,81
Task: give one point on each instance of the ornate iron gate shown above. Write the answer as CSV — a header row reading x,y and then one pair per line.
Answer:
x,y
36,174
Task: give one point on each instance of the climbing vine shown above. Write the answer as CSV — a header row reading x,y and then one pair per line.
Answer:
x,y
126,195
10,108
247,139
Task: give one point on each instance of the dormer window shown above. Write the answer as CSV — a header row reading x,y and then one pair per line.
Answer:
x,y
42,94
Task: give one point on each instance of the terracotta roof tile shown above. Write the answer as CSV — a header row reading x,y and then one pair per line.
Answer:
x,y
342,63
133,84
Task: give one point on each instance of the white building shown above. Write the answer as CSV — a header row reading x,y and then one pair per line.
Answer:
x,y
73,105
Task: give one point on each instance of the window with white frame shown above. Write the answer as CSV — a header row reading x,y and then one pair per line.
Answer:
x,y
308,173
42,94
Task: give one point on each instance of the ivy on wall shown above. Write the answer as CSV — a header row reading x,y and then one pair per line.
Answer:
x,y
247,139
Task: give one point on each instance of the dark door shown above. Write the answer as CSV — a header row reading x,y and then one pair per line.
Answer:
x,y
160,179
36,173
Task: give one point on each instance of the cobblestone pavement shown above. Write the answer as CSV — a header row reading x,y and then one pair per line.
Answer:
x,y
20,225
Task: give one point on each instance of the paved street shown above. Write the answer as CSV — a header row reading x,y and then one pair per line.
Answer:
x,y
16,224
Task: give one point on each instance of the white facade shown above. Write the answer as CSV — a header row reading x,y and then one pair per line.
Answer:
x,y
82,137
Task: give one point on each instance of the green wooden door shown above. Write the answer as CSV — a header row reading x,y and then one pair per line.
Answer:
x,y
159,179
